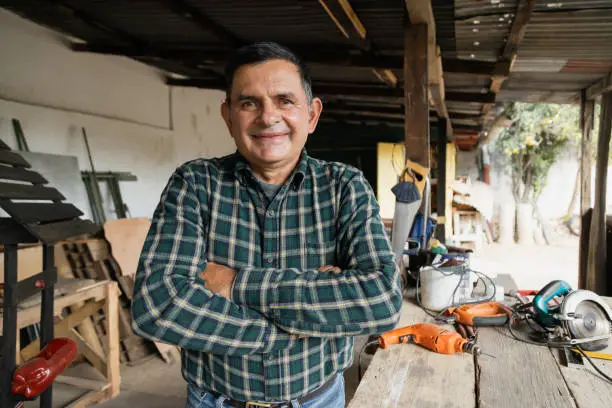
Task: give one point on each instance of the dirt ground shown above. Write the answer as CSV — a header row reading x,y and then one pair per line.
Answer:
x,y
532,266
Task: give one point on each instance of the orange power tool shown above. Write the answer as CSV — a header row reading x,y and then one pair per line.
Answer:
x,y
430,336
480,314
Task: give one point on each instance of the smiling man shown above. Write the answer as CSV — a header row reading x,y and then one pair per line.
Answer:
x,y
263,265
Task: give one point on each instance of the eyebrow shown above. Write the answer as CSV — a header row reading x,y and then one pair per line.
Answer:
x,y
289,95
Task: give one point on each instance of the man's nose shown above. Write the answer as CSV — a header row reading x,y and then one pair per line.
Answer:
x,y
269,114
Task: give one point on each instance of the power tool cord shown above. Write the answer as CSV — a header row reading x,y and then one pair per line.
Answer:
x,y
585,355
369,343
439,315
546,344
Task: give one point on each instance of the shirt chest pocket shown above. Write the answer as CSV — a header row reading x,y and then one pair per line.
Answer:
x,y
320,252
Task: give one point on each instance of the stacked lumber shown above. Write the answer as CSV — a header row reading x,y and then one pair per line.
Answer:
x,y
91,259
113,258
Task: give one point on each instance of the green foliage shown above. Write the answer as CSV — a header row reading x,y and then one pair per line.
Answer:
x,y
533,143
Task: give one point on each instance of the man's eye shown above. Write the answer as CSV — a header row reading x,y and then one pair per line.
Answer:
x,y
286,101
247,105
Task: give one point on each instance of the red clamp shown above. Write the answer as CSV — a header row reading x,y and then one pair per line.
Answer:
x,y
33,377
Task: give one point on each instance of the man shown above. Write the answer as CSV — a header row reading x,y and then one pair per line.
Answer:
x,y
263,265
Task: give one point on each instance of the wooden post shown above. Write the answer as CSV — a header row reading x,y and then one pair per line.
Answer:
x,y
416,128
586,152
596,279
441,188
112,331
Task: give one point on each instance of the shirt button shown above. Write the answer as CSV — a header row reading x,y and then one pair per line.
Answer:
x,y
270,358
270,213
270,260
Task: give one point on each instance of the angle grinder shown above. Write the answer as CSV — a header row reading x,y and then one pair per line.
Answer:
x,y
573,317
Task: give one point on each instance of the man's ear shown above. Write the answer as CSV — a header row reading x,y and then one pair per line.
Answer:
x,y
225,113
316,107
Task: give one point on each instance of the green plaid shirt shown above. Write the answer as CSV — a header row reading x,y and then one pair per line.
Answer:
x,y
288,328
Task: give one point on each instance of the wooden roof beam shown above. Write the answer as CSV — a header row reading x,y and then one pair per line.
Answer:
x,y
205,22
339,90
420,12
216,56
508,53
354,30
601,86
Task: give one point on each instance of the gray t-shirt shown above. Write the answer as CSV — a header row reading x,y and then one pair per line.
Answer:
x,y
269,190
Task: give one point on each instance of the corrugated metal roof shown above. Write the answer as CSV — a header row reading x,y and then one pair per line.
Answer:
x,y
567,44
470,8
573,34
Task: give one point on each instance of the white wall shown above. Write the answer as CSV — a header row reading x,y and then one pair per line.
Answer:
x,y
555,197
134,122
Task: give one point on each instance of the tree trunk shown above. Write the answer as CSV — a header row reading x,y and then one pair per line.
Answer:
x,y
524,223
575,195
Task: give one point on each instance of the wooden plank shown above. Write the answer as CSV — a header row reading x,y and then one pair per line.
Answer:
x,y
416,99
21,174
519,25
472,67
91,398
12,232
596,279
112,330
488,97
86,327
603,85
94,357
586,151
589,389
12,158
126,238
65,324
407,375
79,290
62,230
14,191
520,375
95,385
42,212
509,52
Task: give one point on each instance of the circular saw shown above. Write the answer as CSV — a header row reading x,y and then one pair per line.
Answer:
x,y
573,317
587,319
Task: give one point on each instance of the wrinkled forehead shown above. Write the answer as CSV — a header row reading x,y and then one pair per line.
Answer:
x,y
268,78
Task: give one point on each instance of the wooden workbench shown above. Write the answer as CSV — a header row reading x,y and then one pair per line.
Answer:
x,y
520,375
100,295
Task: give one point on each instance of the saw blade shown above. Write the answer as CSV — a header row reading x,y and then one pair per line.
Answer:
x,y
590,320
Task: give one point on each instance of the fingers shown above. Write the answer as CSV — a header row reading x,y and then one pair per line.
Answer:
x,y
467,332
461,330
329,268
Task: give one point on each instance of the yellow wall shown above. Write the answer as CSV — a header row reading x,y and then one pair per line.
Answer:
x,y
390,155
391,163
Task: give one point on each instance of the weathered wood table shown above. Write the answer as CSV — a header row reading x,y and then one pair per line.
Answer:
x,y
520,375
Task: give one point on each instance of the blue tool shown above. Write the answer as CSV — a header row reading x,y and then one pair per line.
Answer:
x,y
544,311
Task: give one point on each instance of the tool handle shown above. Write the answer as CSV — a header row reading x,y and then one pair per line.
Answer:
x,y
548,292
496,320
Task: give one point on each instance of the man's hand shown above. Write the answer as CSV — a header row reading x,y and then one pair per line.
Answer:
x,y
219,279
329,268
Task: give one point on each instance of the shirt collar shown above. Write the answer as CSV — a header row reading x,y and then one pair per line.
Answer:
x,y
242,169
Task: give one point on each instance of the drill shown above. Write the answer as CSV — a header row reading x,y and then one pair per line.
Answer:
x,y
430,336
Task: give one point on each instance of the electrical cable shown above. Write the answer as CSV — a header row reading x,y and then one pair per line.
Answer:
x,y
548,344
585,355
369,343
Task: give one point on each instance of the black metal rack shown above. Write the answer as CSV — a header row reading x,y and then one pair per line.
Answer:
x,y
37,214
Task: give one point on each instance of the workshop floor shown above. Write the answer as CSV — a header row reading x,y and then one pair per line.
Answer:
x,y
154,384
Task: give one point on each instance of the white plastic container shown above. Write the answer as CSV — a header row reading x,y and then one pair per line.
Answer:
x,y
436,288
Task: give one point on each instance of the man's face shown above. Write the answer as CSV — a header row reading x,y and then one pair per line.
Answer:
x,y
268,114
